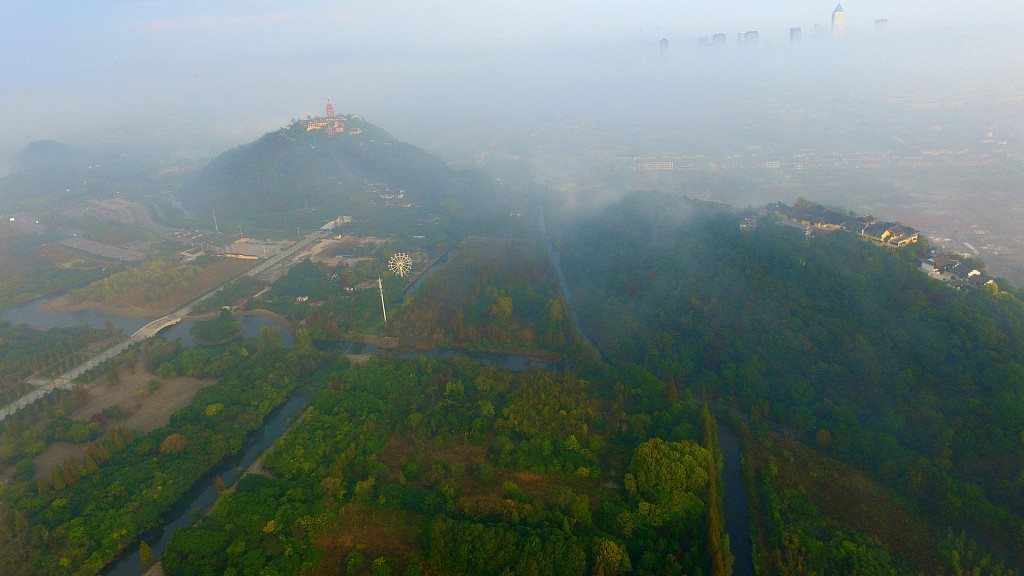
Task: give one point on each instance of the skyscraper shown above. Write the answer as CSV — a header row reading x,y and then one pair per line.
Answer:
x,y
838,22
664,47
794,36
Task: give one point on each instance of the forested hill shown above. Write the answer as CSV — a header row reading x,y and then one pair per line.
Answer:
x,y
48,172
281,178
917,384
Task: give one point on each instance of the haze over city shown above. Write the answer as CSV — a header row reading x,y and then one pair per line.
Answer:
x,y
566,92
212,75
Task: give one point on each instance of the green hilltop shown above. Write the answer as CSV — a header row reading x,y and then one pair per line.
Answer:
x,y
296,176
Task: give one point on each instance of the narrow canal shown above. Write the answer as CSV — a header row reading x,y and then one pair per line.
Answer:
x,y
737,513
204,493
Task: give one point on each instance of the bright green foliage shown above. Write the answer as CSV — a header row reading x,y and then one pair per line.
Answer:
x,y
146,556
610,559
157,279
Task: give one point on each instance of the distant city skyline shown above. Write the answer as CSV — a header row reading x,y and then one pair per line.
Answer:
x,y
72,67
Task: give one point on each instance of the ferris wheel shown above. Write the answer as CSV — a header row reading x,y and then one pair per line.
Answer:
x,y
400,264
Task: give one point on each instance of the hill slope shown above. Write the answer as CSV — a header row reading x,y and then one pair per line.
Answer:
x,y
282,178
918,384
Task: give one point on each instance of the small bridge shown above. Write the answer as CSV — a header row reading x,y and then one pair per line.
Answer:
x,y
43,386
151,329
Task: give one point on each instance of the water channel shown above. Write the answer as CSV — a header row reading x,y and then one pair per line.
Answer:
x,y
30,313
737,514
203,494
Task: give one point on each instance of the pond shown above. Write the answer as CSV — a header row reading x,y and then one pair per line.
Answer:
x,y
31,314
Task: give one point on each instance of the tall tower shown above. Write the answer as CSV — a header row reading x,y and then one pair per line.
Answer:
x,y
664,47
330,109
838,22
794,36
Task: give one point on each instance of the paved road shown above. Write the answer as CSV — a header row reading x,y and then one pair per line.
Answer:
x,y
66,380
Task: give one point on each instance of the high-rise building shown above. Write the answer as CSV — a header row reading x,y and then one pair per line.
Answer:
x,y
880,26
794,36
664,47
718,39
838,22
751,37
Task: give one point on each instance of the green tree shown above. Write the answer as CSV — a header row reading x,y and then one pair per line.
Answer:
x,y
303,341
173,444
381,567
146,557
502,308
610,559
270,338
668,478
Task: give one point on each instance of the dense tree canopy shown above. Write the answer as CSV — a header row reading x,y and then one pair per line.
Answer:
x,y
916,382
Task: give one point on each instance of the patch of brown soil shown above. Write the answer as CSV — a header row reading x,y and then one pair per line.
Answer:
x,y
146,409
400,449
392,534
528,477
359,358
396,452
55,454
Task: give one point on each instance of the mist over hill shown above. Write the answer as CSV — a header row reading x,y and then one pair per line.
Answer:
x,y
297,176
51,176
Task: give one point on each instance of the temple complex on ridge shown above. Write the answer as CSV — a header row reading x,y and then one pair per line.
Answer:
x,y
330,123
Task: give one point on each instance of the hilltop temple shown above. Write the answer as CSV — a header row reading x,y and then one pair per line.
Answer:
x,y
330,123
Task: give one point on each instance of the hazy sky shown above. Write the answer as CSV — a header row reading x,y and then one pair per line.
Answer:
x,y
242,67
